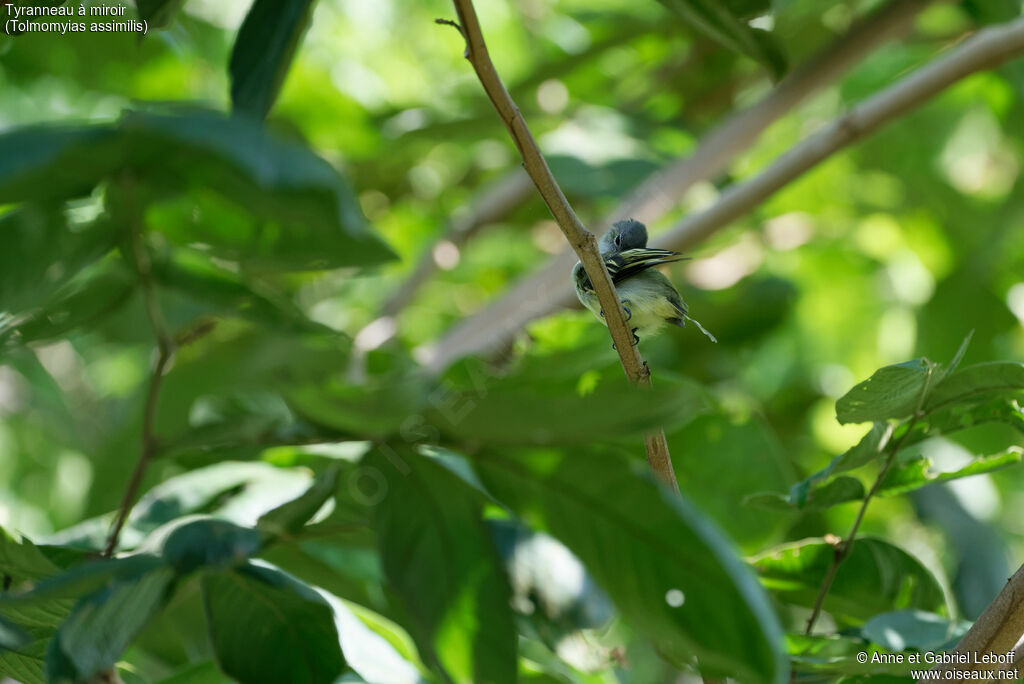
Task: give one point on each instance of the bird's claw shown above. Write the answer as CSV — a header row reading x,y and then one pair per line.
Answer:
x,y
636,340
629,314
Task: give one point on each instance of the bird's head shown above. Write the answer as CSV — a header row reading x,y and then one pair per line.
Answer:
x,y
623,235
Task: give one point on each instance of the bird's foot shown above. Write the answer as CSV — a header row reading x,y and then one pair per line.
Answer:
x,y
629,314
636,340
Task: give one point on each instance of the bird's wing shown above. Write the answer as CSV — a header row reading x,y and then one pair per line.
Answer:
x,y
633,261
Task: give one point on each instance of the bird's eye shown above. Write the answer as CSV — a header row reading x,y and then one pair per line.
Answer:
x,y
617,239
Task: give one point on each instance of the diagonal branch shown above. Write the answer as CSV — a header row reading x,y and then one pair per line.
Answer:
x,y
547,290
580,239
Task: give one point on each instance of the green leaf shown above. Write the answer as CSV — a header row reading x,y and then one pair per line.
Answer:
x,y
891,392
869,448
716,20
837,655
876,577
978,382
264,50
518,410
349,572
94,293
267,627
750,453
369,654
208,543
438,557
196,276
649,550
288,519
82,580
22,560
286,208
918,473
40,163
103,625
49,253
906,629
373,409
25,663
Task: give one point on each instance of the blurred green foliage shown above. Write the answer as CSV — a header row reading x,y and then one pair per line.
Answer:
x,y
315,509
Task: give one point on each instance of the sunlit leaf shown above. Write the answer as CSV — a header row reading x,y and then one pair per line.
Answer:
x,y
891,392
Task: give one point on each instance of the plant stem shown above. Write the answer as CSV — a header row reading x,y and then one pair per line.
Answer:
x,y
582,241
845,546
165,351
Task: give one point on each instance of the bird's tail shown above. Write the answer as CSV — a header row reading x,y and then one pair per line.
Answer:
x,y
701,328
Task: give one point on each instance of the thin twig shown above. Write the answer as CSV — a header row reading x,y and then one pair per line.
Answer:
x,y
165,350
582,241
845,546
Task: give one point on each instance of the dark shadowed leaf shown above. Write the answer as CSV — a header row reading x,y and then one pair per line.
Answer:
x,y
56,162
876,577
103,625
716,20
268,628
94,293
207,543
49,254
891,392
438,557
263,51
691,596
291,210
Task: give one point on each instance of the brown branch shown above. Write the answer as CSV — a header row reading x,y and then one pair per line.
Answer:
x,y
548,290
580,239
165,350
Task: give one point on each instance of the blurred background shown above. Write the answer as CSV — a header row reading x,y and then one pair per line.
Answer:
x,y
896,247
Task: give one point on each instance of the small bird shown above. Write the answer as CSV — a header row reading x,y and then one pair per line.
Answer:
x,y
649,298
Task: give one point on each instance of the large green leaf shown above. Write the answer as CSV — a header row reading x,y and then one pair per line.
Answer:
x,y
103,625
920,472
291,209
518,409
267,627
876,577
225,291
92,294
286,208
57,162
48,253
891,392
25,664
438,557
717,20
664,565
264,50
